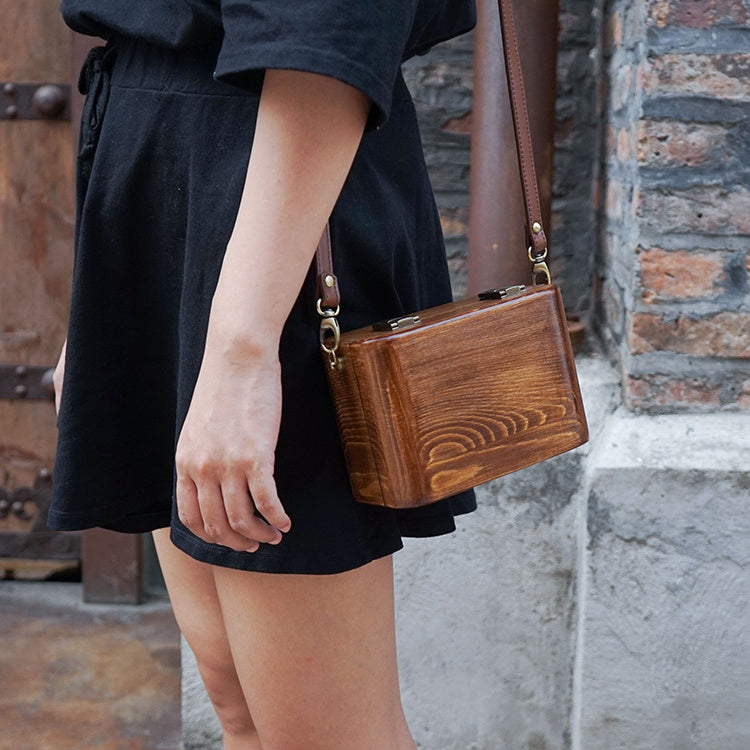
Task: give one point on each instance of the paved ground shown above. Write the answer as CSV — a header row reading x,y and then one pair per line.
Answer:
x,y
77,676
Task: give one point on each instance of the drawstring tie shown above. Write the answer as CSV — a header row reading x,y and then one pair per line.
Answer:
x,y
93,81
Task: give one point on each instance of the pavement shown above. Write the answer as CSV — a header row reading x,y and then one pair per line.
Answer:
x,y
77,676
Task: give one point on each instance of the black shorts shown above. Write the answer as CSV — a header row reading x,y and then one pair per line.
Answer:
x,y
163,155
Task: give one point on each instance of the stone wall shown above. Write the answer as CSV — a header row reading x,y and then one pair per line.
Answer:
x,y
441,83
675,260
577,158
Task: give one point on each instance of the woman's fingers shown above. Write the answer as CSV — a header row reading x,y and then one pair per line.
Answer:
x,y
240,512
266,500
215,522
224,513
188,510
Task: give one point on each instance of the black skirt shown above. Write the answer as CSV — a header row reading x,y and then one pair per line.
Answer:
x,y
163,155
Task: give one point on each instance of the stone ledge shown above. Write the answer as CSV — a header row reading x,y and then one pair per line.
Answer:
x,y
708,442
663,578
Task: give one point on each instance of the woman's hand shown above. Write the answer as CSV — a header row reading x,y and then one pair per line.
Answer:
x,y
58,376
225,452
307,133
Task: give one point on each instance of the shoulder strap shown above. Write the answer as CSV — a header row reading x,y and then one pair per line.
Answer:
x,y
328,290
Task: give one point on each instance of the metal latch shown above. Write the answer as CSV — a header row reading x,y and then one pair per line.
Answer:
x,y
507,293
396,324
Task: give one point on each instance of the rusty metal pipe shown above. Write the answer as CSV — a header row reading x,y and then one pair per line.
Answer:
x,y
497,237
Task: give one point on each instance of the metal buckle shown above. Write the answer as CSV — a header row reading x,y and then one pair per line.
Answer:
x,y
329,328
539,266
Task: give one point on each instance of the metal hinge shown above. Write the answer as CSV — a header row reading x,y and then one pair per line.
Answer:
x,y
34,101
507,293
396,324
27,382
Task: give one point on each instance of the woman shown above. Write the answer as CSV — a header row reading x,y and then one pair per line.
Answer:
x,y
192,397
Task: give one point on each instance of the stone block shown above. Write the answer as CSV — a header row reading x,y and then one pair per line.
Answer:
x,y
667,588
622,87
697,14
454,222
616,199
743,400
725,76
645,392
705,209
681,274
726,334
666,143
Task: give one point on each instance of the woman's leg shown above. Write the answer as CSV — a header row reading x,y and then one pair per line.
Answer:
x,y
192,592
316,657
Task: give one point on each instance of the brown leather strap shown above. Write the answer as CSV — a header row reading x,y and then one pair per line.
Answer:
x,y
328,284
329,292
534,227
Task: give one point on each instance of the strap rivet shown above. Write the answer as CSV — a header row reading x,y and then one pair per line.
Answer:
x,y
536,227
329,281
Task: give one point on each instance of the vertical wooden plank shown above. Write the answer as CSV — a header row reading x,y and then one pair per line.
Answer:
x,y
37,214
36,234
112,567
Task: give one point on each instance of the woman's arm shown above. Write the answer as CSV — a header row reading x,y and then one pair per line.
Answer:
x,y
307,133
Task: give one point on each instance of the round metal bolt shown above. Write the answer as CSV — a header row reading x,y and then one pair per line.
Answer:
x,y
9,89
20,371
20,391
11,111
18,508
49,100
4,508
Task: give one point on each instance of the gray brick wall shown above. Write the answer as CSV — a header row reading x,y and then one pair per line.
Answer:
x,y
442,84
676,251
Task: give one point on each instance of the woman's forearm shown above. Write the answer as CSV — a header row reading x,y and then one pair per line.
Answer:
x,y
307,133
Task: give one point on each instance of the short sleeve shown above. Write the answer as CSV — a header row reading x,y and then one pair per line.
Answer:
x,y
360,42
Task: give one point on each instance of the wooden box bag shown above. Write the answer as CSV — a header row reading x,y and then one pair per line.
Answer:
x,y
431,404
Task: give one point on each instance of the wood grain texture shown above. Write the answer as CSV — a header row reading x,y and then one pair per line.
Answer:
x,y
36,239
436,409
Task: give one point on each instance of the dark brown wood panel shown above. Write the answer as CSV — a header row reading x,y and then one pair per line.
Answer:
x,y
36,235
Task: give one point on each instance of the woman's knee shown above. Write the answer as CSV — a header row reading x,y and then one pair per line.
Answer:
x,y
223,689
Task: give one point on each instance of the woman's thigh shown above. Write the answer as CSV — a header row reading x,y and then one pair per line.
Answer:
x,y
316,657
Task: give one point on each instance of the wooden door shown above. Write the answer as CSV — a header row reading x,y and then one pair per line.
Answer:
x,y
39,60
36,236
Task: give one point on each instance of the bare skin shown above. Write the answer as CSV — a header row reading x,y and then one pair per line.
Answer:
x,y
290,662
307,133
314,657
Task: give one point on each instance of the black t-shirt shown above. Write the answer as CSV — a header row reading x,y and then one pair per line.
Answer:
x,y
361,42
